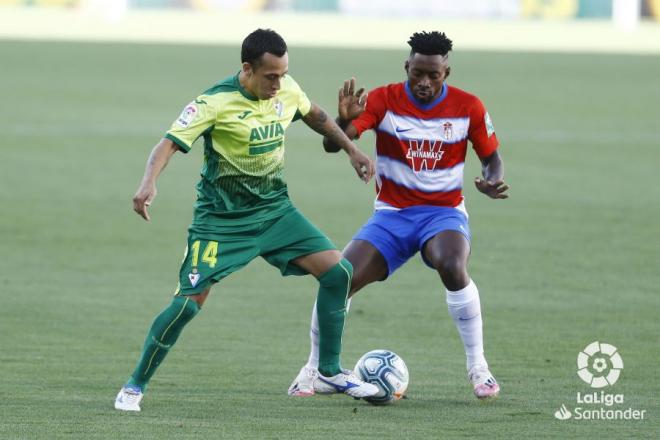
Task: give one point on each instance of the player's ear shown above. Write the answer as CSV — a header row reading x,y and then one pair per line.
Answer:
x,y
247,68
447,72
406,65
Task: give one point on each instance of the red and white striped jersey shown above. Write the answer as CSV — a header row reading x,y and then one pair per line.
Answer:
x,y
421,148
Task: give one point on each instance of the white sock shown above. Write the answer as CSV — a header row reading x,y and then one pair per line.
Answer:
x,y
313,361
465,309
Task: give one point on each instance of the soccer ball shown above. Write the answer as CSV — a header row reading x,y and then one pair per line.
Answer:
x,y
387,371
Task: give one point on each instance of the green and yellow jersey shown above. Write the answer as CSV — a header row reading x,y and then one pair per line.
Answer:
x,y
242,175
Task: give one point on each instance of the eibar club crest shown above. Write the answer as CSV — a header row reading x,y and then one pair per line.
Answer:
x,y
194,278
279,107
447,130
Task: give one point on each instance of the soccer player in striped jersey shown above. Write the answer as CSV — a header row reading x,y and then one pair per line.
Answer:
x,y
422,126
243,209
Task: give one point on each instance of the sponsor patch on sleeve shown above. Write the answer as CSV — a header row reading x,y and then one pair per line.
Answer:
x,y
490,129
187,115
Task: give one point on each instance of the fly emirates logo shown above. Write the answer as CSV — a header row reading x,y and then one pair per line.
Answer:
x,y
424,154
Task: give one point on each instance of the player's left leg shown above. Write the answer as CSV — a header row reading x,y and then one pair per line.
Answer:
x,y
334,275
369,266
297,247
384,243
334,286
448,252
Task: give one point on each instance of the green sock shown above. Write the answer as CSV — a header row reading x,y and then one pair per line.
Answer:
x,y
164,332
331,310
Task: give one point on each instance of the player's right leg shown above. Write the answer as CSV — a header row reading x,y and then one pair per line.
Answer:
x,y
201,267
164,332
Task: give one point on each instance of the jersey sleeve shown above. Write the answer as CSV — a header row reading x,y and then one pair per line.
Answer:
x,y
373,113
481,132
194,120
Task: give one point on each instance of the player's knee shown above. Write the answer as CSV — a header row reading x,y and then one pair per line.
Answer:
x,y
339,276
451,266
200,298
453,271
187,307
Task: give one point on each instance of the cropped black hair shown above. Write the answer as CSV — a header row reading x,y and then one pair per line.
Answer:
x,y
430,43
261,41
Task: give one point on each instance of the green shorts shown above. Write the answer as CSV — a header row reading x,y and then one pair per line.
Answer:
x,y
214,253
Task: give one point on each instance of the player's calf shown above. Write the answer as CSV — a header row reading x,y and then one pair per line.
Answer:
x,y
334,286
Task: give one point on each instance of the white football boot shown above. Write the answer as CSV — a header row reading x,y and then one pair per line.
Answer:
x,y
129,398
303,384
484,384
345,382
307,384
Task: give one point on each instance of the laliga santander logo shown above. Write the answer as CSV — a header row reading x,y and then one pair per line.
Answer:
x,y
599,364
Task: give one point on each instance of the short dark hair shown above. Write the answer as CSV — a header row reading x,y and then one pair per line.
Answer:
x,y
430,43
261,41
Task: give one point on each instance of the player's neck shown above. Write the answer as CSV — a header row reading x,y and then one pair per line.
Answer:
x,y
244,83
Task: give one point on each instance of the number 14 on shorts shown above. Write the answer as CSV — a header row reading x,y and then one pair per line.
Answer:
x,y
209,256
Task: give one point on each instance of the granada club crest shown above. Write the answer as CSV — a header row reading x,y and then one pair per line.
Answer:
x,y
447,130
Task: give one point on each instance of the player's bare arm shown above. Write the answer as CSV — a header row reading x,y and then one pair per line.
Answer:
x,y
157,161
317,119
350,105
492,184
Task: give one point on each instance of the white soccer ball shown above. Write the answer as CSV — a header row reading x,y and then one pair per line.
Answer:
x,y
387,371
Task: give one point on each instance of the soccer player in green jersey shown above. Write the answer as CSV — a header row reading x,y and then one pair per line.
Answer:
x,y
243,210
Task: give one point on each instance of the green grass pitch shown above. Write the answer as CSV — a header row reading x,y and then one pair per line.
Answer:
x,y
572,257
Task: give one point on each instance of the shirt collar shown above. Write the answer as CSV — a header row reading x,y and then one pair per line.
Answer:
x,y
430,105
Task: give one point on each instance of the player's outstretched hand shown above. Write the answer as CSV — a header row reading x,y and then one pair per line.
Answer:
x,y
351,103
363,165
494,190
143,198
